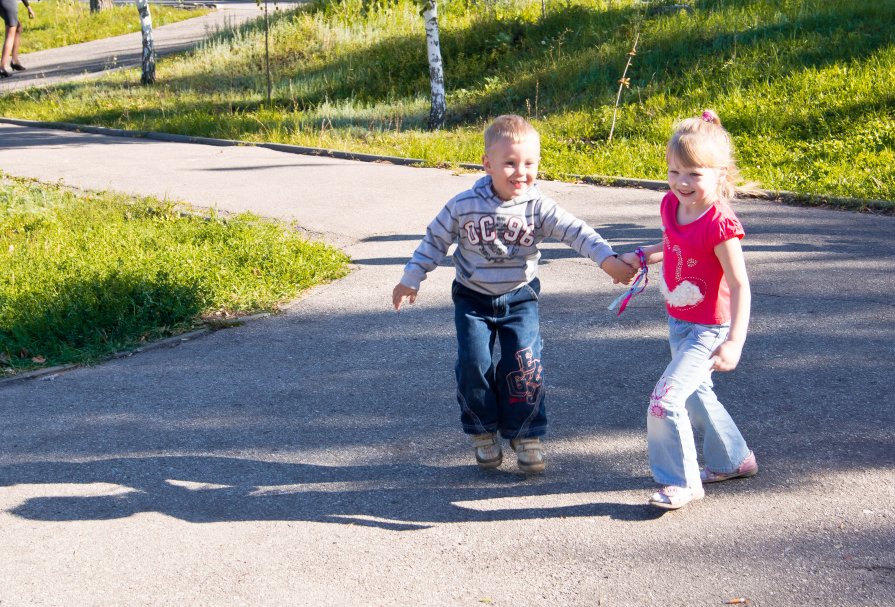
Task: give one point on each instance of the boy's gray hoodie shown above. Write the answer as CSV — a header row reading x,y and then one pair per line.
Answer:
x,y
498,239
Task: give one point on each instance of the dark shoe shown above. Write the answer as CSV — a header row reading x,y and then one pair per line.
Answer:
x,y
4,74
18,67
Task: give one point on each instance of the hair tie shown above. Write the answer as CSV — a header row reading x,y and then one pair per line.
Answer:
x,y
709,116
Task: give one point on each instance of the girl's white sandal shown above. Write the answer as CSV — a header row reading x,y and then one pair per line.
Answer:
x,y
672,498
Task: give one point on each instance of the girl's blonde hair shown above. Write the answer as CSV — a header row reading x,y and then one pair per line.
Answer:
x,y
703,142
510,127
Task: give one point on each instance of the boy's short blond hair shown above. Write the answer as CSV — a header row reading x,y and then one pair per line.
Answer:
x,y
509,127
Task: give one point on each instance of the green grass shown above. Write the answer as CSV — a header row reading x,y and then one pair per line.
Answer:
x,y
805,86
62,22
88,274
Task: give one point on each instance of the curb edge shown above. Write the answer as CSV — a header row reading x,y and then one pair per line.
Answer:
x,y
782,196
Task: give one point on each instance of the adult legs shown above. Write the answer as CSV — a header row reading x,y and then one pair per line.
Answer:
x,y
14,53
8,43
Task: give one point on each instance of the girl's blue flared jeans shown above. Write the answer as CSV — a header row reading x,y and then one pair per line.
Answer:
x,y
504,395
683,400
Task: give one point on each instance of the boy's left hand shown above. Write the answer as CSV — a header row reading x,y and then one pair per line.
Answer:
x,y
402,292
727,356
618,270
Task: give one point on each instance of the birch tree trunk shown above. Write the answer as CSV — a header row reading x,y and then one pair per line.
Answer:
x,y
148,76
436,69
99,5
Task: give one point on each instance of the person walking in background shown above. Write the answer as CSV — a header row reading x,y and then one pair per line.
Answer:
x,y
707,297
9,10
498,225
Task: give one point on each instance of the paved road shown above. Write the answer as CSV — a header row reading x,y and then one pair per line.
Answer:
x,y
92,59
314,457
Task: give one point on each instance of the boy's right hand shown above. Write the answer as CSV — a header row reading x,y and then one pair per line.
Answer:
x,y
620,271
400,292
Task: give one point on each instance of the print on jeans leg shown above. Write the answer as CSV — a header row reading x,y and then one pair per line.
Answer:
x,y
525,384
655,400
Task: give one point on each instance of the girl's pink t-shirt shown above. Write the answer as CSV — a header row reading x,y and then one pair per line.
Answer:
x,y
694,286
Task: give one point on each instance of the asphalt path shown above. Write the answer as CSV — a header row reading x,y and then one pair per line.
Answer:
x,y
315,457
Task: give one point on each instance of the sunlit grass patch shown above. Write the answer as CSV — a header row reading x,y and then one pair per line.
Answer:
x,y
88,274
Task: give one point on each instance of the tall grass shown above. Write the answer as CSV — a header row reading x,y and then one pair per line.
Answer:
x,y
63,22
805,86
87,274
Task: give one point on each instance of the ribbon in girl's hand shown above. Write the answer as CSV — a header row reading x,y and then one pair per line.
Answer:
x,y
636,288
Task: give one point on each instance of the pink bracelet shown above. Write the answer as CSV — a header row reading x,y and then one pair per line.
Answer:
x,y
636,288
642,255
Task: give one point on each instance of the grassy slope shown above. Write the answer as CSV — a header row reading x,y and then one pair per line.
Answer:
x,y
805,86
62,22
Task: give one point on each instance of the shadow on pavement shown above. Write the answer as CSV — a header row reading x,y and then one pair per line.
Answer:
x,y
316,391
31,139
216,489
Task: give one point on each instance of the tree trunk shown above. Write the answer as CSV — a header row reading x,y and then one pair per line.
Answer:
x,y
99,5
148,76
436,69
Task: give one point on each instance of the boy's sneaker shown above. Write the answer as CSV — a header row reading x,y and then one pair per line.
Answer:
x,y
529,454
749,467
672,498
487,450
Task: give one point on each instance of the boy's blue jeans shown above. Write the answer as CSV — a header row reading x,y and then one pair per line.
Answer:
x,y
684,396
505,395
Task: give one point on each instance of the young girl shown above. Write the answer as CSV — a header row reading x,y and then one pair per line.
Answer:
x,y
707,296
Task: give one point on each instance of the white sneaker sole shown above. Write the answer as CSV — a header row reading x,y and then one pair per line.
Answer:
x,y
672,505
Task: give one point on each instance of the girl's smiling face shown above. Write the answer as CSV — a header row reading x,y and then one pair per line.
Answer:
x,y
513,166
694,186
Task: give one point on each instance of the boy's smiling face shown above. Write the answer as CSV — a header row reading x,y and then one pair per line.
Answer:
x,y
513,167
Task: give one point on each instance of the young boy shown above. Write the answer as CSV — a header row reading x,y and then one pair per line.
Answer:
x,y
498,224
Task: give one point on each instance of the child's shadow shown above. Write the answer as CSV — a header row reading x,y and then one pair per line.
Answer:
x,y
206,489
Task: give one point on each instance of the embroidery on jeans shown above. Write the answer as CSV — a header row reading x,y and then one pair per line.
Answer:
x,y
525,384
656,409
